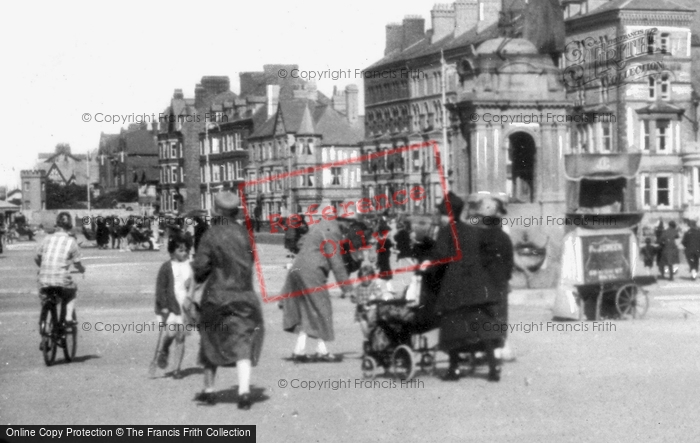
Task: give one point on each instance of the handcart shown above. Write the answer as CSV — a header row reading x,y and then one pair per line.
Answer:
x,y
600,248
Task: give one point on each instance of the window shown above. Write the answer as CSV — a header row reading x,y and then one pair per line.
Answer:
x,y
307,180
173,150
416,160
309,147
239,169
237,145
663,191
174,174
201,147
335,173
607,137
216,170
665,88
646,146
664,43
662,130
650,44
652,87
215,145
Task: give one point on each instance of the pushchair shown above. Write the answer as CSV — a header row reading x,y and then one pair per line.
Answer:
x,y
396,341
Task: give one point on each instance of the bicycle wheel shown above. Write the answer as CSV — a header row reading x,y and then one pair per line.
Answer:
x,y
48,325
70,340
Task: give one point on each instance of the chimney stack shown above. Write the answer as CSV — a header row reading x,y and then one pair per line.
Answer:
x,y
394,37
443,21
351,103
209,87
413,30
178,95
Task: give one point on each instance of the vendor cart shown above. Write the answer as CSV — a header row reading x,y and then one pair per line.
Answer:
x,y
600,248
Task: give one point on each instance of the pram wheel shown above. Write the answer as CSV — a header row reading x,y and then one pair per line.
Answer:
x,y
404,363
369,367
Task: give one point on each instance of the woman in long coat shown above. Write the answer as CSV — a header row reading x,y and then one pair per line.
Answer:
x,y
473,293
231,322
669,255
311,314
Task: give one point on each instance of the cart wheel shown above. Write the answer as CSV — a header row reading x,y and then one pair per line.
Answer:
x,y
631,301
404,363
369,367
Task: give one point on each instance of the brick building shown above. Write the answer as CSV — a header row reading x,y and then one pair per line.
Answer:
x,y
129,160
305,130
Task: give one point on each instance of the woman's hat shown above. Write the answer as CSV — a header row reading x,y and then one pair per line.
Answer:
x,y
226,201
488,204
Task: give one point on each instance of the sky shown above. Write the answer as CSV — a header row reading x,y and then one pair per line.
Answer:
x,y
65,59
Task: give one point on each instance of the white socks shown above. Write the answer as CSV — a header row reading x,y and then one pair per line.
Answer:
x,y
244,369
301,345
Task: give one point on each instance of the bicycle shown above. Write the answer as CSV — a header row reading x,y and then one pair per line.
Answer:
x,y
54,332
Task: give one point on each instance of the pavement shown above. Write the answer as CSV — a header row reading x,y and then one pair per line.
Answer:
x,y
571,381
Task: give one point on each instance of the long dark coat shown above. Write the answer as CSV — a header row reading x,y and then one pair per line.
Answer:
x,y
312,313
473,293
691,242
670,255
231,325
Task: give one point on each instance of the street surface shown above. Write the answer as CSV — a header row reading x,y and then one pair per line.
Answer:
x,y
617,381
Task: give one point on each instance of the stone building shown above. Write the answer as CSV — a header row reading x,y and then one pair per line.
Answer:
x,y
33,189
632,61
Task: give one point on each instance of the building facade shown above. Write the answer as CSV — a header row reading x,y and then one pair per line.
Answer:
x,y
632,61
515,92
64,167
305,131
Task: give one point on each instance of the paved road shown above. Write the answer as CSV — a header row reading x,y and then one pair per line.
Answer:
x,y
623,381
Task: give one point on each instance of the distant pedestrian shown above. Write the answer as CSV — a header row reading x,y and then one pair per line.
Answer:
x,y
649,253
384,254
670,255
257,216
691,243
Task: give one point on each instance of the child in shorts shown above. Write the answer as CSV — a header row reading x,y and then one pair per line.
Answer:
x,y
173,281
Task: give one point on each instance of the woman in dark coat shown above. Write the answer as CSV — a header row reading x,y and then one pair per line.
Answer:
x,y
473,295
231,322
384,254
311,314
102,233
670,255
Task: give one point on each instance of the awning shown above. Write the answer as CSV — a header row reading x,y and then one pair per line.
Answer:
x,y
8,207
601,166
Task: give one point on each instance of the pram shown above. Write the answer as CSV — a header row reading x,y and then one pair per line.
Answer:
x,y
397,342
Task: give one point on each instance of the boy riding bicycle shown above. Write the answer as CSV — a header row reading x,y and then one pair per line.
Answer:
x,y
54,256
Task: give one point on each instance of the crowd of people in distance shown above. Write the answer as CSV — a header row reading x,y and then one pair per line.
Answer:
x,y
665,251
